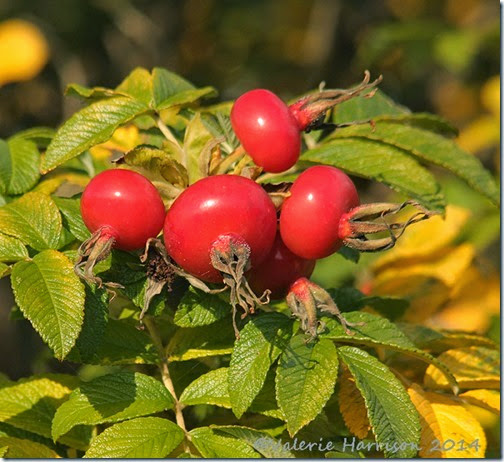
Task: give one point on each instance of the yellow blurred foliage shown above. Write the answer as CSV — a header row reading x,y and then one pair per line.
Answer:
x,y
445,420
24,51
123,139
473,367
352,406
487,399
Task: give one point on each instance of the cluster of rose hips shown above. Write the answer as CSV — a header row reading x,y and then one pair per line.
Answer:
x,y
226,228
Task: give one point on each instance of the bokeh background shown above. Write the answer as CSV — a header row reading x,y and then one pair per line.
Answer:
x,y
440,56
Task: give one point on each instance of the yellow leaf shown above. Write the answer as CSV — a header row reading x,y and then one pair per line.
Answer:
x,y
52,183
487,399
352,406
448,423
426,238
473,367
123,139
26,449
23,49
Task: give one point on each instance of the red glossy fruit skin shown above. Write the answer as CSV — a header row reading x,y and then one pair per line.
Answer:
x,y
279,270
215,206
310,216
126,204
267,130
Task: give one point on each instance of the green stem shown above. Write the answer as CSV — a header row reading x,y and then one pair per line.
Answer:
x,y
223,166
166,131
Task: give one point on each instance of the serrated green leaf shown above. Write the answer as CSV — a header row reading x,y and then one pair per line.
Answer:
x,y
4,270
166,84
305,380
380,332
111,398
394,420
26,449
51,296
219,125
5,166
23,171
31,403
95,93
138,85
142,438
90,126
430,147
200,309
196,138
70,209
187,97
11,249
209,388
261,341
424,120
34,219
41,136
214,446
382,162
262,442
360,109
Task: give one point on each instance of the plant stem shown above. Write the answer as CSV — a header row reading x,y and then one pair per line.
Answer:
x,y
165,372
236,155
166,131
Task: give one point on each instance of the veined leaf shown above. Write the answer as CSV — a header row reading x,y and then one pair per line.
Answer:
x,y
196,138
90,126
424,120
111,398
352,406
41,136
187,97
5,166
70,209
381,162
394,419
263,443
11,249
487,399
305,380
25,449
51,296
446,421
20,170
209,388
4,270
261,341
142,438
430,147
214,446
95,93
473,367
138,85
34,219
380,332
200,309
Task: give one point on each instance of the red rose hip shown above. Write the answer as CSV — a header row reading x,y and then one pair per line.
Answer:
x,y
267,130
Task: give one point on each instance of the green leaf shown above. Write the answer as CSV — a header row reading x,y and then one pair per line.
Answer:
x,y
138,85
380,332
3,451
70,209
11,249
111,398
41,136
95,93
90,126
31,403
4,270
142,438
263,443
26,449
209,388
95,322
51,296
20,170
196,138
349,254
34,219
429,147
5,166
198,308
261,341
394,420
359,109
214,446
424,120
305,380
382,162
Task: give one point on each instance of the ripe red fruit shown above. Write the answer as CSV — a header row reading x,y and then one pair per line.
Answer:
x,y
310,217
267,130
215,214
125,206
279,270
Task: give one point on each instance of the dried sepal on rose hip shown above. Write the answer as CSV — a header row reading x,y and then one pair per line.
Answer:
x,y
322,213
123,210
270,130
219,228
305,299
